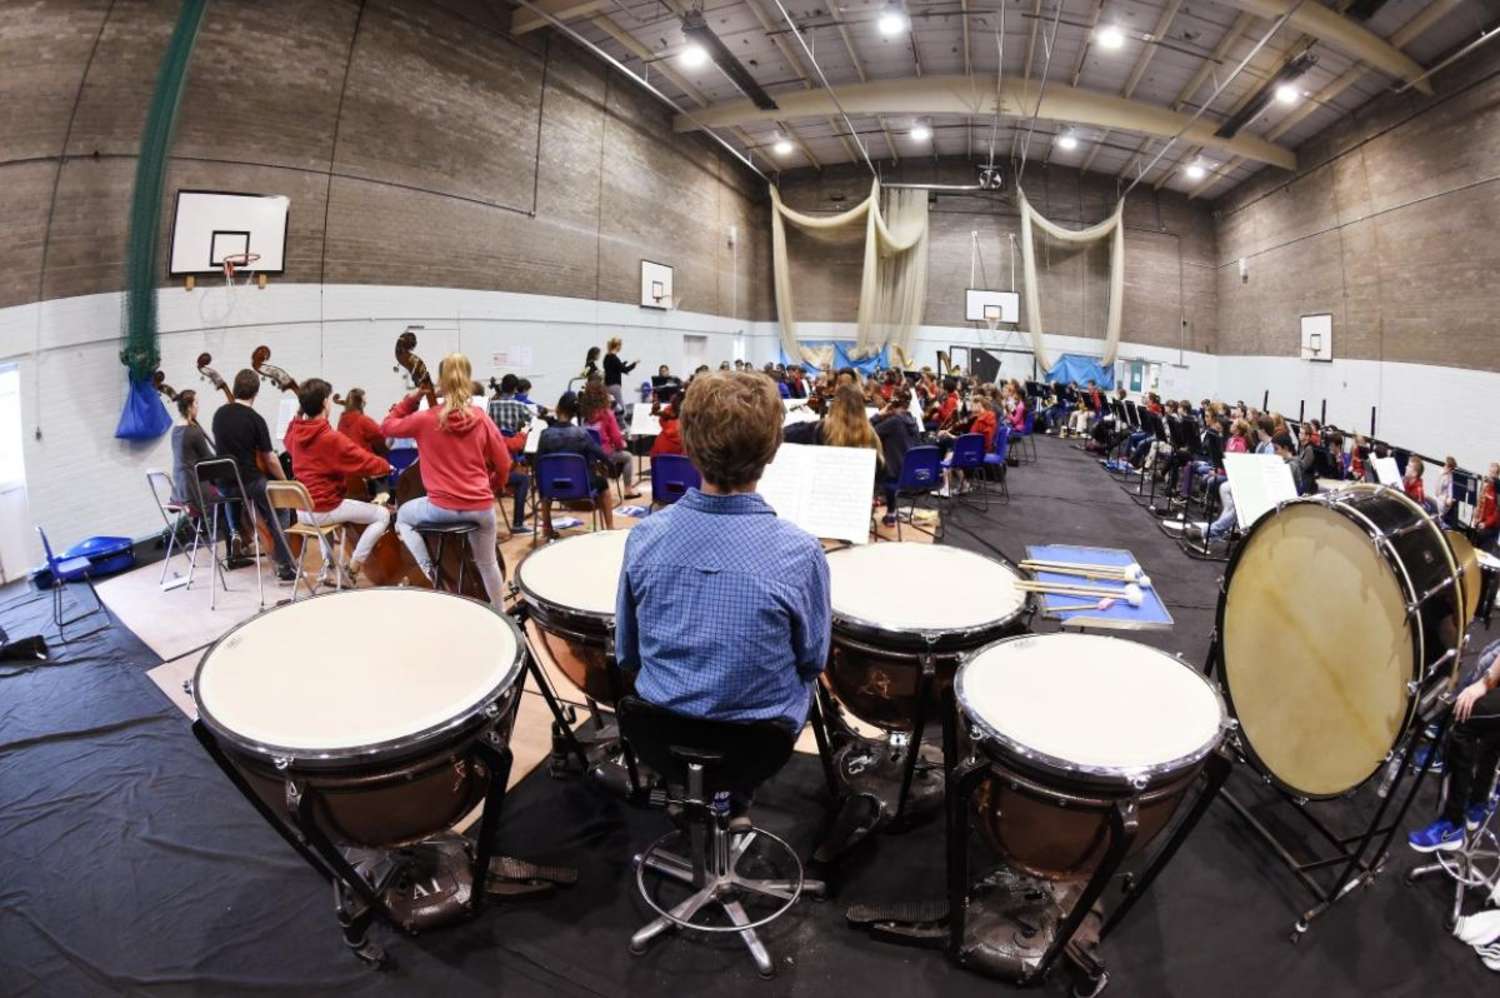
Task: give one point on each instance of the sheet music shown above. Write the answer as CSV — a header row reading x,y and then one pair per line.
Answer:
x,y
1386,472
284,416
824,490
801,414
533,439
871,411
916,410
1258,482
642,423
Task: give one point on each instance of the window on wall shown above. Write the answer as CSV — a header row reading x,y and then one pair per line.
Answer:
x,y
12,467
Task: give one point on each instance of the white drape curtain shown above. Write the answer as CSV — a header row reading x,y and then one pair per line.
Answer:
x,y
1114,227
893,281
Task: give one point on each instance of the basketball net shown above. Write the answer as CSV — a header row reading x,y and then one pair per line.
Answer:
x,y
239,263
215,311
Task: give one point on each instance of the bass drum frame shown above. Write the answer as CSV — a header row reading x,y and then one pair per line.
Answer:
x,y
1356,859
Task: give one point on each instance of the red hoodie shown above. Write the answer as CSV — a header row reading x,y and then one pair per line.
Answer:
x,y
361,429
323,458
457,457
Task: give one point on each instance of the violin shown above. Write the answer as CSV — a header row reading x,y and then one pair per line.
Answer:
x,y
413,365
212,376
270,372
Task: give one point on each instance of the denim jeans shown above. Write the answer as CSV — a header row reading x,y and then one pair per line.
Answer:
x,y
423,512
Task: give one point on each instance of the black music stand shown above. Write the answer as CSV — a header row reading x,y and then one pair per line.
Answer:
x,y
979,943
1356,866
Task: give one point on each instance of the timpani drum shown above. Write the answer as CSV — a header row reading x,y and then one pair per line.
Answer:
x,y
569,587
375,700
898,605
1340,612
1069,725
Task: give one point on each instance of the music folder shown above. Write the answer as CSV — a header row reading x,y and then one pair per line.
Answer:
x,y
1258,482
824,490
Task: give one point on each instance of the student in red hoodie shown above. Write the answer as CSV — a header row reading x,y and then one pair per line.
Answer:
x,y
463,459
359,427
322,460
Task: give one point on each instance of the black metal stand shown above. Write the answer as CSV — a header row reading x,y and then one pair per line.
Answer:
x,y
1358,858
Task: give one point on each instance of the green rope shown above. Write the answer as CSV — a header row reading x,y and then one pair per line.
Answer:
x,y
141,353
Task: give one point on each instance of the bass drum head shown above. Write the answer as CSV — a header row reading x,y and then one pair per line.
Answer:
x,y
1317,650
1468,563
356,675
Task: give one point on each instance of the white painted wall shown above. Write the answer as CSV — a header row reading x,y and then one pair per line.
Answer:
x,y
82,481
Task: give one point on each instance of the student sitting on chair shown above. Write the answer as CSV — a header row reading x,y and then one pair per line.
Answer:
x,y
1472,754
463,462
190,447
723,608
596,406
359,427
242,434
323,459
563,437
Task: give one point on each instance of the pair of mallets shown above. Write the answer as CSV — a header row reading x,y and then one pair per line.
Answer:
x,y
1135,580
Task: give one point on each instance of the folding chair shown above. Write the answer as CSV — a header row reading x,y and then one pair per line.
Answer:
x,y
1028,427
293,496
921,473
173,510
65,570
966,458
672,475
996,458
221,508
565,477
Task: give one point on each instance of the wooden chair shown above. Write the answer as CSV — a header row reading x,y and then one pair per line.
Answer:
x,y
292,495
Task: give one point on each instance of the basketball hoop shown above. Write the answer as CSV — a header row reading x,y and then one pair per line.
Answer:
x,y
239,261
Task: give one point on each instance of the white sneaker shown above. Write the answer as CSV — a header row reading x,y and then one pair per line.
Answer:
x,y
1479,929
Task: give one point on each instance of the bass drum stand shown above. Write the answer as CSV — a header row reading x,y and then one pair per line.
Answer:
x,y
442,879
1014,926
1358,858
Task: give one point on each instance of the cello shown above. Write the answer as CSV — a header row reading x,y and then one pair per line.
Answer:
x,y
409,485
212,377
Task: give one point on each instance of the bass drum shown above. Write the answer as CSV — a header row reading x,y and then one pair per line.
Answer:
x,y
1071,724
897,604
1338,612
570,588
383,722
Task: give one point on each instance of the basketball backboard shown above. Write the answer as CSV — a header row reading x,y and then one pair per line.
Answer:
x,y
210,225
991,306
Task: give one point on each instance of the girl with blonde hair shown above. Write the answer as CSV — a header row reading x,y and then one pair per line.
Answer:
x,y
461,455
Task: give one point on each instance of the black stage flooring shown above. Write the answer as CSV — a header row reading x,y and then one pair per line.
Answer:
x,y
131,866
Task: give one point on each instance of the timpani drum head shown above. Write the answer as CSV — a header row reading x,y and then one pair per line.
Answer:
x,y
1317,649
921,587
581,573
356,673
1090,704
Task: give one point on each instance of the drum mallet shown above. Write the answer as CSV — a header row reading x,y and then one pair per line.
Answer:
x,y
1131,593
1122,573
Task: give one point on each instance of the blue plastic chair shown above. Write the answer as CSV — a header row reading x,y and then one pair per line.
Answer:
x,y
967,458
1028,428
598,437
921,473
671,477
996,458
564,477
63,571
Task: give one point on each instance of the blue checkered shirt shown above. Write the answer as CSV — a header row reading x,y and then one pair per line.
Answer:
x,y
723,610
509,415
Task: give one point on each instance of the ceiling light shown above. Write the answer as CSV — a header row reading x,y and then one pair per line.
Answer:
x,y
920,132
783,147
1195,171
1067,142
1109,37
892,22
1287,94
694,56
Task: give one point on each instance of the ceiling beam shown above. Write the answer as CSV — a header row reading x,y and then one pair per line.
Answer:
x,y
1343,33
954,95
1138,71
1404,36
792,60
523,20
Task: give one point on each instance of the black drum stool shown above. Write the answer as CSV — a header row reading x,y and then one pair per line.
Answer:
x,y
460,532
704,764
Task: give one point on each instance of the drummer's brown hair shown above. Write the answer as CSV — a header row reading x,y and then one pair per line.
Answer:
x,y
731,427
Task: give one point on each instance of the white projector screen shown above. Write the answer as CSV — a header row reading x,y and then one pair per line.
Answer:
x,y
208,225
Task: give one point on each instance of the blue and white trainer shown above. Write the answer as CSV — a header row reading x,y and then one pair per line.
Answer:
x,y
1440,836
1479,815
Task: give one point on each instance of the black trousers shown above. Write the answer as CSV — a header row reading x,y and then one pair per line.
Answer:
x,y
257,489
1473,753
